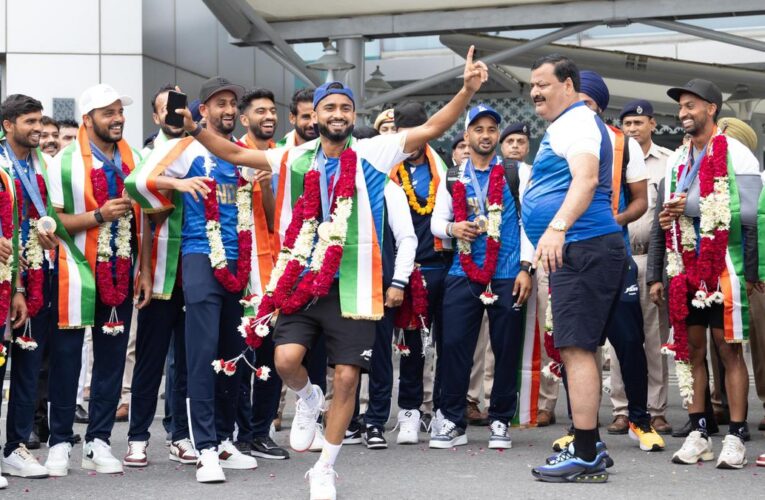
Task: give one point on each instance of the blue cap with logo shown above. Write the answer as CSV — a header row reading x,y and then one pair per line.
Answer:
x,y
638,107
481,110
330,88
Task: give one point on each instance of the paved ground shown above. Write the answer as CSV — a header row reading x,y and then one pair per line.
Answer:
x,y
415,472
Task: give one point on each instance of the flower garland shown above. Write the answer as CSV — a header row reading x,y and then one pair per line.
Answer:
x,y
6,268
412,314
33,251
689,271
406,185
112,284
244,222
495,200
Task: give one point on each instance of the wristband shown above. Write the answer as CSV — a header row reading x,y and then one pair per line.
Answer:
x,y
528,269
449,227
196,131
398,284
98,216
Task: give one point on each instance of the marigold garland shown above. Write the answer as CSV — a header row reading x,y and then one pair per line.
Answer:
x,y
414,204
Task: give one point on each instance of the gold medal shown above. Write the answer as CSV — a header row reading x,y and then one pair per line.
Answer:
x,y
324,231
483,223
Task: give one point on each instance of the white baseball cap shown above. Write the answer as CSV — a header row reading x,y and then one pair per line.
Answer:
x,y
99,96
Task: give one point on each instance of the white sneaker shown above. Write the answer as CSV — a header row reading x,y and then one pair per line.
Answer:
x,y
304,424
231,458
435,423
322,479
97,456
733,453
58,459
136,454
408,427
500,436
3,482
208,467
695,448
183,451
21,463
318,439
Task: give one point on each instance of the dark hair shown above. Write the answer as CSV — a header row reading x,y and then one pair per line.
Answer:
x,y
564,68
68,122
257,93
300,95
164,88
364,133
16,105
47,120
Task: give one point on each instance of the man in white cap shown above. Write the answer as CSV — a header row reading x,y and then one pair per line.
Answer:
x,y
94,290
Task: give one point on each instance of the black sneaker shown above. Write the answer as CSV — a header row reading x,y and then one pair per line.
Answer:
x,y
81,415
375,438
265,447
448,436
243,447
352,433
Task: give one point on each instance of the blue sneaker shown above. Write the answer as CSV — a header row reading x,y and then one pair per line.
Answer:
x,y
569,451
571,469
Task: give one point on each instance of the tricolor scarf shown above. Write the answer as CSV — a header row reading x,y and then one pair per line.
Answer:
x,y
361,294
141,186
166,245
732,282
288,140
529,367
77,254
437,171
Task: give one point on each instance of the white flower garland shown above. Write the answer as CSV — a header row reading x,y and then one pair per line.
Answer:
x,y
337,233
33,251
300,252
104,248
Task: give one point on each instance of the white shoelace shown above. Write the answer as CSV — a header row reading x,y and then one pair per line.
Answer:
x,y
135,447
305,415
447,426
498,428
731,445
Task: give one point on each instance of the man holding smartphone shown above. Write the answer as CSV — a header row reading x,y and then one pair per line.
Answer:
x,y
161,316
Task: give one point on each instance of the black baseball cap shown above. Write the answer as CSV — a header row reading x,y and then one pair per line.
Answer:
x,y
515,128
701,88
218,84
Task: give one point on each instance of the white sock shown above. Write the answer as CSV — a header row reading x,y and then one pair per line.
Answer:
x,y
329,454
309,395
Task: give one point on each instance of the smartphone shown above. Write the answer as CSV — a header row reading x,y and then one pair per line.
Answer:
x,y
175,100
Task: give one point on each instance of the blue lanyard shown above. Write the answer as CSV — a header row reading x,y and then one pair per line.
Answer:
x,y
28,179
480,193
690,171
106,161
326,194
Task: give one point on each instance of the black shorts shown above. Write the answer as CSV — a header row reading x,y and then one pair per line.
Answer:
x,y
348,341
711,317
586,289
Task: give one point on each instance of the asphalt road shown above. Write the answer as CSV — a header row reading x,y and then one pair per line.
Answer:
x,y
416,472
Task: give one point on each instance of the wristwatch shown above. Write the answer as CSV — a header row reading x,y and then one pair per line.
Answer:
x,y
525,266
21,290
559,225
98,216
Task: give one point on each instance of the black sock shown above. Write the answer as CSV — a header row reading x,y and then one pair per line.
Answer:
x,y
585,442
699,423
737,429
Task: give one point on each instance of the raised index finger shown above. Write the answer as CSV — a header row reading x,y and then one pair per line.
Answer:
x,y
469,57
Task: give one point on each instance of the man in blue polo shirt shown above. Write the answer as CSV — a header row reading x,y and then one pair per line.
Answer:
x,y
567,215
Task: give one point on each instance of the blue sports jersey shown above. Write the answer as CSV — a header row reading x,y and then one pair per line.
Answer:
x,y
576,130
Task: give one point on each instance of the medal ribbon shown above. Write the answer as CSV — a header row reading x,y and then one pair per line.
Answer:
x,y
28,180
111,164
480,193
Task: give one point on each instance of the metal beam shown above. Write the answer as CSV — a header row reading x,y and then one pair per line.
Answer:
x,y
705,33
514,17
277,56
230,17
497,57
273,37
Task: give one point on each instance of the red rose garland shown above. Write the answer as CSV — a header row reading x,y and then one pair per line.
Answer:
x,y
483,274
6,219
412,314
34,281
232,283
112,286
